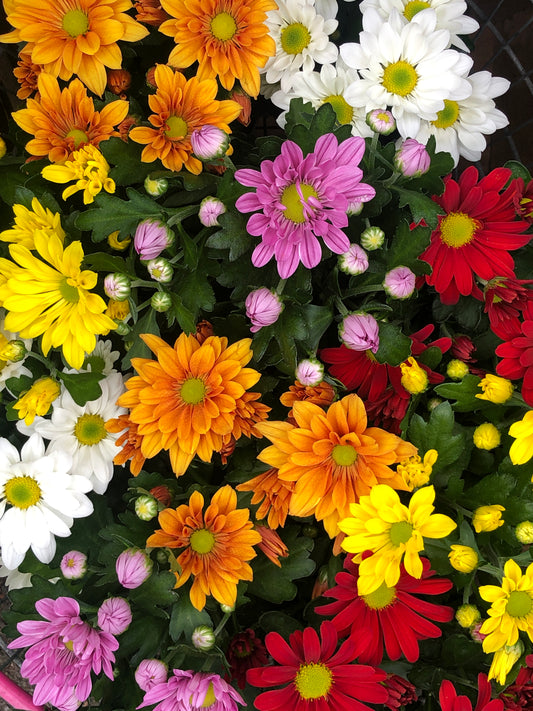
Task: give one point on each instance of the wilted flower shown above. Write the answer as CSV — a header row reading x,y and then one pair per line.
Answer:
x,y
151,238
263,308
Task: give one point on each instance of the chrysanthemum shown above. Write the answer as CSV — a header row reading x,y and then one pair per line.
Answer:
x,y
75,36
192,691
475,235
274,495
62,120
302,40
39,500
333,458
315,675
88,168
521,449
50,296
10,368
150,12
180,106
300,199
322,394
380,523
228,38
218,544
129,441
391,617
449,701
245,650
80,431
188,399
26,73
517,359
511,611
405,66
27,222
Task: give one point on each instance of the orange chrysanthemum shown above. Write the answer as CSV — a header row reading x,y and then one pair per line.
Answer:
x,y
228,39
272,545
74,36
64,121
150,12
218,544
188,399
26,73
322,394
130,441
180,106
274,495
332,457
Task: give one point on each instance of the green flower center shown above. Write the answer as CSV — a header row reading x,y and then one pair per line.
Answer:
x,y
202,541
295,38
78,135
75,23
458,229
293,199
22,492
341,107
90,429
193,391
413,7
223,26
177,127
447,116
519,603
344,455
313,681
380,598
400,532
400,78
68,291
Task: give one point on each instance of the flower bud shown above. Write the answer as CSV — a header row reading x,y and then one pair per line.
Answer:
x,y
354,261
13,351
155,187
399,283
310,372
227,609
467,616
146,507
133,567
495,389
162,494
412,159
524,532
372,238
161,301
117,286
114,242
381,121
486,436
160,270
210,210
263,308
3,148
203,638
245,103
150,672
122,329
414,378
209,142
118,81
463,558
360,332
73,565
151,238
457,369
487,518
114,615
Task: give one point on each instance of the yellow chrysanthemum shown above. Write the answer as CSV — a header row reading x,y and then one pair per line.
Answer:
x,y
181,106
228,39
503,661
88,168
28,222
37,400
380,523
49,295
62,120
511,611
521,449
74,36
188,399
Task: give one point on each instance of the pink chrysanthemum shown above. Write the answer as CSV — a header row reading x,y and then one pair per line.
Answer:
x,y
299,199
192,690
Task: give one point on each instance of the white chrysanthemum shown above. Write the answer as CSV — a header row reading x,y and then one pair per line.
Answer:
x,y
302,39
80,431
405,67
9,368
14,579
450,15
327,86
461,127
39,500
102,359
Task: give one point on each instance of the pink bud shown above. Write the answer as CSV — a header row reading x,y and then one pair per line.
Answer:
x,y
114,615
310,372
151,238
209,142
360,332
354,261
381,121
150,672
399,283
210,210
412,159
133,567
263,308
73,565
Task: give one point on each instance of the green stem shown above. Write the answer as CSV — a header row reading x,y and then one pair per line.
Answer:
x,y
222,623
181,214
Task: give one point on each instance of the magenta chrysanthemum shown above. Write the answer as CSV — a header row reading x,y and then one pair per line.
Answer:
x,y
192,690
299,199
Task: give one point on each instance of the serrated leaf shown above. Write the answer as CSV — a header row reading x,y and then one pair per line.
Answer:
x,y
138,348
103,262
422,207
394,346
232,235
155,593
464,394
125,158
83,387
407,246
438,433
183,315
317,320
185,617
195,292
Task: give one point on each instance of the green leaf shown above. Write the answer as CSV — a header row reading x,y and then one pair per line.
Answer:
x,y
155,593
276,621
195,292
83,387
288,328
185,617
126,161
439,433
407,246
394,346
317,320
139,349
184,316
103,262
519,170
422,207
464,394
136,644
232,235
299,113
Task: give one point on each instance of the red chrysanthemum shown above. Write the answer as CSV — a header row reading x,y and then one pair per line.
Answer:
x,y
517,360
449,701
519,695
475,235
505,303
523,201
401,692
245,651
315,676
393,618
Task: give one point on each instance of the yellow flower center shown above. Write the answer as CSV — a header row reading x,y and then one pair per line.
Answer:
x,y
413,7
447,116
341,107
78,135
400,78
293,199
90,429
519,603
313,681
193,391
177,127
458,229
400,532
202,541
69,645
223,26
22,492
68,291
210,697
75,23
295,38
344,455
380,598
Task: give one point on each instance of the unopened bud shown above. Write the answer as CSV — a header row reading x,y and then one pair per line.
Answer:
x,y
160,270
203,638
117,286
146,507
372,238
161,301
13,351
155,187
